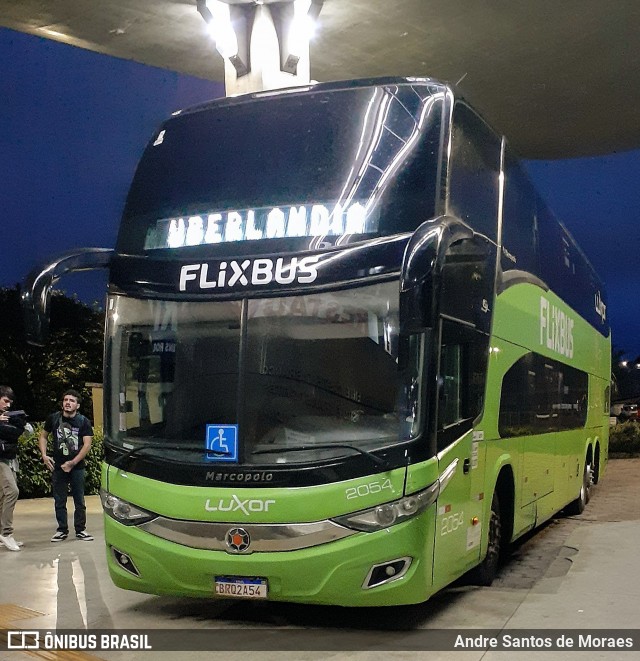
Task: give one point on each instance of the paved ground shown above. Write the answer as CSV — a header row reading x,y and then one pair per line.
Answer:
x,y
574,573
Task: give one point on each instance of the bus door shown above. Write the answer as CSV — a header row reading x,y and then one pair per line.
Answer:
x,y
465,320
459,526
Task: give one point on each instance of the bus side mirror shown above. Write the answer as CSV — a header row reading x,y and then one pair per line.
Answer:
x,y
36,291
422,266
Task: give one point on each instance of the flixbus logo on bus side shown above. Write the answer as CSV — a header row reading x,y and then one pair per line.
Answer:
x,y
556,329
262,271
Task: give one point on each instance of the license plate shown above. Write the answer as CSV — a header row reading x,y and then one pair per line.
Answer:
x,y
241,587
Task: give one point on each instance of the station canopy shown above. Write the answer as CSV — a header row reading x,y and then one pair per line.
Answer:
x,y
559,79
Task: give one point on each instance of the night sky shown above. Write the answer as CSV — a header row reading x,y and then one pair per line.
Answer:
x,y
598,200
73,125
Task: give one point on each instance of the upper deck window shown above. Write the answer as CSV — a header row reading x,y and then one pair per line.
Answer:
x,y
294,172
520,244
474,172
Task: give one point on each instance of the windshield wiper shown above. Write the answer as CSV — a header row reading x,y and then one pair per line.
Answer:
x,y
119,461
327,446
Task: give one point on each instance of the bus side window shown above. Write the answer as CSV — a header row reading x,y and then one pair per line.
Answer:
x,y
461,380
468,282
520,220
540,395
474,172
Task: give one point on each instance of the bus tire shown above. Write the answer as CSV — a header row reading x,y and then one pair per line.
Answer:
x,y
486,571
577,506
595,473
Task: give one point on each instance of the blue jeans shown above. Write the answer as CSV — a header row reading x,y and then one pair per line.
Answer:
x,y
61,482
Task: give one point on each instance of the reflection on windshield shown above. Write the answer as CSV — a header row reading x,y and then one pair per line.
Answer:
x,y
319,373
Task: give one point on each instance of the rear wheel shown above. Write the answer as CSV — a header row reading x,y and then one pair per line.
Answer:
x,y
595,472
577,506
486,571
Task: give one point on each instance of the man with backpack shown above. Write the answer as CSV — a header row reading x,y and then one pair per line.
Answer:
x,y
72,435
11,428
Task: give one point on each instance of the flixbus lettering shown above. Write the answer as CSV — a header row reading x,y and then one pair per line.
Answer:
x,y
556,329
261,271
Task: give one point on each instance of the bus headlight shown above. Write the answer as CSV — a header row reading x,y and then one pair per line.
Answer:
x,y
390,514
123,511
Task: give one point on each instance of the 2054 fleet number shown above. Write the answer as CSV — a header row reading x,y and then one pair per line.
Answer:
x,y
368,489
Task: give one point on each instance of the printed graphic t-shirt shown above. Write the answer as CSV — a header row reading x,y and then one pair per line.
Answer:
x,y
67,436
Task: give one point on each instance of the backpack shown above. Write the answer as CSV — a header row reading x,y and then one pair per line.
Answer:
x,y
10,432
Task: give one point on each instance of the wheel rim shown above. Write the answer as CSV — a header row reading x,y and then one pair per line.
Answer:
x,y
588,479
587,482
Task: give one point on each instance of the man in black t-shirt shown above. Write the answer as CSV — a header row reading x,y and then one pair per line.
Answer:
x,y
72,435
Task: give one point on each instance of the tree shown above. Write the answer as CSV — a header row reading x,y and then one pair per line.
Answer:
x,y
71,357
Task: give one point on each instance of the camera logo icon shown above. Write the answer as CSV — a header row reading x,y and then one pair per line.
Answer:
x,y
23,640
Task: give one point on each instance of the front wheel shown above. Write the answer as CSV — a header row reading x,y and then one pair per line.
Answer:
x,y
486,571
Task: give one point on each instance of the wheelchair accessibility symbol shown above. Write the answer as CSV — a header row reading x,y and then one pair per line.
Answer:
x,y
222,443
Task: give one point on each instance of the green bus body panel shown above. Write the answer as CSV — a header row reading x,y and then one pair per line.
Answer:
x,y
459,516
286,505
423,474
517,319
331,573
547,468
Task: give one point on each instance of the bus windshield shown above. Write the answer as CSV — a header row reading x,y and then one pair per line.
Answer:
x,y
304,377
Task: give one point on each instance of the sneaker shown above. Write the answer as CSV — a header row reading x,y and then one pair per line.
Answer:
x,y
20,544
59,536
84,536
9,542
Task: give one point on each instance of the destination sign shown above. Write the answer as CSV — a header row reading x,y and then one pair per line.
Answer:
x,y
305,220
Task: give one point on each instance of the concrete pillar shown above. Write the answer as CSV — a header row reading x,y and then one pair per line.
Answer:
x,y
97,399
270,54
264,56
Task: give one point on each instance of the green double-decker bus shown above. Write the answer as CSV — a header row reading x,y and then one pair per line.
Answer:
x,y
350,354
